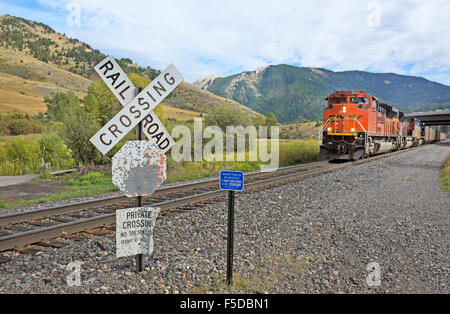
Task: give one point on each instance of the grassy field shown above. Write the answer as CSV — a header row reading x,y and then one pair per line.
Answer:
x,y
93,183
4,139
444,176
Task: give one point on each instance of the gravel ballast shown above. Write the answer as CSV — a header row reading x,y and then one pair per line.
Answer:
x,y
313,236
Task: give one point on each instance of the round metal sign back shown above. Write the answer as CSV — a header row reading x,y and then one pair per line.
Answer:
x,y
138,168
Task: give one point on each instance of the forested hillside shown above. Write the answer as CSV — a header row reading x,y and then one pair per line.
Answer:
x,y
43,43
36,61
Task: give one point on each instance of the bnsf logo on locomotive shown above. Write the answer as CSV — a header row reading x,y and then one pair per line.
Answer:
x,y
342,117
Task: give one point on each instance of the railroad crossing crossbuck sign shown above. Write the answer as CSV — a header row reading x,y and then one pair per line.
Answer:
x,y
139,167
136,108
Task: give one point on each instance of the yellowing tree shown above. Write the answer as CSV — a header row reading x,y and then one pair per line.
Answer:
x,y
102,103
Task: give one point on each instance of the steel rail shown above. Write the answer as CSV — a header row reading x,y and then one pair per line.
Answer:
x,y
47,212
19,240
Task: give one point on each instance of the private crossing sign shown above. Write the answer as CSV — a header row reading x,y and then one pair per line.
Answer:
x,y
138,109
135,230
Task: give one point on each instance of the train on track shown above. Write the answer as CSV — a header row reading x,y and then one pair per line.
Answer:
x,y
358,125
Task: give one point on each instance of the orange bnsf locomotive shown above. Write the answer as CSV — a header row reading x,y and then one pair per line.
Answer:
x,y
358,125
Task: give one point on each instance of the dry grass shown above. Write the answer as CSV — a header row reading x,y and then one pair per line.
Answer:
x,y
179,114
25,66
11,101
300,130
25,96
25,81
263,278
416,174
444,176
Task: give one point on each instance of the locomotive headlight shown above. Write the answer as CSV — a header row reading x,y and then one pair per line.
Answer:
x,y
353,129
329,129
344,109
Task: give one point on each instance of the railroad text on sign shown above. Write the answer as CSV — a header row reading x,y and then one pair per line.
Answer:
x,y
124,90
137,109
116,80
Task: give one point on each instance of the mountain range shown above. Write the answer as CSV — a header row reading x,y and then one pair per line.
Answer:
x,y
294,93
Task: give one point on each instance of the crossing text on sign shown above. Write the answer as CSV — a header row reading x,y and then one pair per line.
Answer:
x,y
137,109
124,90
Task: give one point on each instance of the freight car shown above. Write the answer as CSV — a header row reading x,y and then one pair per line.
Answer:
x,y
358,125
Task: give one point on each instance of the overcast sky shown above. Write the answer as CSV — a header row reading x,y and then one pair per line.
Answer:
x,y
227,37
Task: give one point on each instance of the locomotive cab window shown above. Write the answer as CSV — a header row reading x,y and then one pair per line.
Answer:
x,y
338,100
360,100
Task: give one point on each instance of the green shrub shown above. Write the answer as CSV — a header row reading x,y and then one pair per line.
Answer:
x,y
20,127
79,130
20,156
224,116
56,152
89,179
46,175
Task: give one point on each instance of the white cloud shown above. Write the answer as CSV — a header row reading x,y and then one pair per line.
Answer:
x,y
204,37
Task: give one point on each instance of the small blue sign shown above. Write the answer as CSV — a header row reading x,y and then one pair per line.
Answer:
x,y
231,180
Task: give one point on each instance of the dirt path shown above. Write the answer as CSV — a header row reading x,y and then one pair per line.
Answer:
x,y
12,180
28,190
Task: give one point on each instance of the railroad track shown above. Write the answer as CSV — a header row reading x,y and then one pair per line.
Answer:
x,y
18,230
